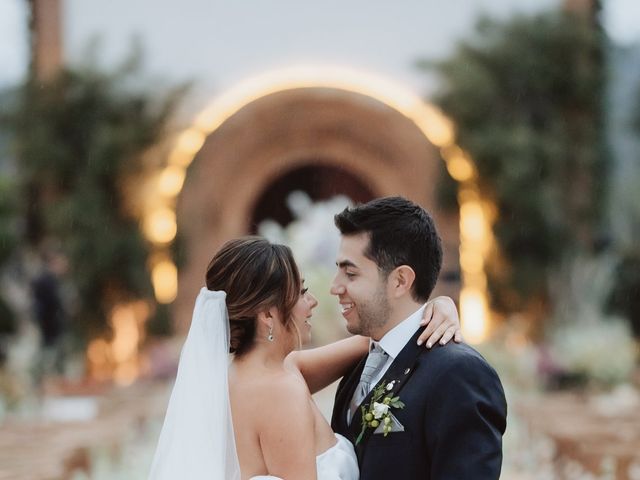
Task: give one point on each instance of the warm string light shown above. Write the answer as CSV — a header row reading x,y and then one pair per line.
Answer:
x,y
118,359
159,223
164,276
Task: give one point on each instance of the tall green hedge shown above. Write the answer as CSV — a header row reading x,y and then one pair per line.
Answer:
x,y
80,138
526,96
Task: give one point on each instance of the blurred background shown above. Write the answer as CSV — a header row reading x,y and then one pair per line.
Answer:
x,y
137,137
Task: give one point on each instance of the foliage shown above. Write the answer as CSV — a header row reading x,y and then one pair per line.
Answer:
x,y
8,243
160,324
8,219
625,297
526,97
80,138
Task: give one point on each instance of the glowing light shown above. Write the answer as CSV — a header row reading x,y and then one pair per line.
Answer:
x,y
98,354
490,211
476,280
160,226
171,180
180,158
125,341
437,128
475,244
164,277
468,193
474,313
434,125
471,261
119,359
472,222
190,141
458,163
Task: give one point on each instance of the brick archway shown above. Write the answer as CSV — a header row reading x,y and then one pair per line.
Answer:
x,y
291,129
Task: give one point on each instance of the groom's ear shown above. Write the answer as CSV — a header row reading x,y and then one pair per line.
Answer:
x,y
401,280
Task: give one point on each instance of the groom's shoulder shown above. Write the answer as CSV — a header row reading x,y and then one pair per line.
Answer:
x,y
460,357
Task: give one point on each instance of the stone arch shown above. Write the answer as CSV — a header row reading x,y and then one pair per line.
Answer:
x,y
290,129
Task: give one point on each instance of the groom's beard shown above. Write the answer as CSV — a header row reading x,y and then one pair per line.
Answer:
x,y
373,314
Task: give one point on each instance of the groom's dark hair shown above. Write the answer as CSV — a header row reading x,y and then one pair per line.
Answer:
x,y
400,233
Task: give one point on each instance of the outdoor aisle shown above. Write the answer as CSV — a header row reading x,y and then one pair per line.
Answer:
x,y
553,436
115,440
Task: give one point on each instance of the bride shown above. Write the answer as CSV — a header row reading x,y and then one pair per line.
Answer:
x,y
254,418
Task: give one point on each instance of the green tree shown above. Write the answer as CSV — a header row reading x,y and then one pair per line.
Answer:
x,y
8,243
526,97
625,296
81,139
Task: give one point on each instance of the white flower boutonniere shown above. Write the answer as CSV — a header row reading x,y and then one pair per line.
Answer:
x,y
378,412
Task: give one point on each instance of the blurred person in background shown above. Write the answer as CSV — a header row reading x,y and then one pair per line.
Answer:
x,y
50,312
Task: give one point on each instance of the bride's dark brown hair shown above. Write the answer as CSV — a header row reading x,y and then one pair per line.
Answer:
x,y
256,275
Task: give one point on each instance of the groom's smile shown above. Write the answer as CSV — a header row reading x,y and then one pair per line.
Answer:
x,y
346,308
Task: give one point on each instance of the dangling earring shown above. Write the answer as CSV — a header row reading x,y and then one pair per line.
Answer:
x,y
270,336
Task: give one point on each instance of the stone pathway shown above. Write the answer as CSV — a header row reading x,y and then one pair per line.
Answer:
x,y
61,450
572,436
549,437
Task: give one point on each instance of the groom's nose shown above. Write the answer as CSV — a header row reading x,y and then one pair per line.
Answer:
x,y
336,288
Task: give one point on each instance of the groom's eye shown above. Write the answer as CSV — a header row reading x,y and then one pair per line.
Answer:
x,y
350,274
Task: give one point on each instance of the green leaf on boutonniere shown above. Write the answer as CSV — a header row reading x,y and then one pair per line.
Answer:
x,y
378,411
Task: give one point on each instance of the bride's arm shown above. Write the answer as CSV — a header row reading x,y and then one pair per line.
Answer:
x,y
322,366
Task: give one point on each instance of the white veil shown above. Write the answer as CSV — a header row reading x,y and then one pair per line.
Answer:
x,y
197,439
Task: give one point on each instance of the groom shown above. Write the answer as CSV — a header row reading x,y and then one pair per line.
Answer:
x,y
445,410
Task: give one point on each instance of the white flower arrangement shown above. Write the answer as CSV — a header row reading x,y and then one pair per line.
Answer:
x,y
604,351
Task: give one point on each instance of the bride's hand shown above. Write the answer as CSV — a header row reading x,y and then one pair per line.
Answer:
x,y
442,321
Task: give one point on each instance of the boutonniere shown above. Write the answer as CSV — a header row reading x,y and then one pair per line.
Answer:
x,y
378,411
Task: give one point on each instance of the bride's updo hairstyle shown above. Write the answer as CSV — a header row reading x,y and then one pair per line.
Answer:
x,y
256,275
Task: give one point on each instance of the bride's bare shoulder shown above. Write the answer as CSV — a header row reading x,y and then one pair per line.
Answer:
x,y
271,385
286,384
285,393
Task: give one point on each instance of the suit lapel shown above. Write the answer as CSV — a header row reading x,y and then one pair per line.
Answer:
x,y
399,372
343,399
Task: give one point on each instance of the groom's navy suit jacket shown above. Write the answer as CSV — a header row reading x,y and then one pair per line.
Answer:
x,y
454,417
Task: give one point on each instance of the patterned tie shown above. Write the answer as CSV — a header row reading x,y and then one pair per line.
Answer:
x,y
376,359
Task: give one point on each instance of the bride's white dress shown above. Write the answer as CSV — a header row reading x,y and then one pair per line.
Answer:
x,y
337,463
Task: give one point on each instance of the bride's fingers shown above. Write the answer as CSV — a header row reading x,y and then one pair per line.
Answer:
x,y
437,335
428,313
434,322
457,337
447,336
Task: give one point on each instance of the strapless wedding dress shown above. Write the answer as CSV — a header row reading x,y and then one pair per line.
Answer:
x,y
337,463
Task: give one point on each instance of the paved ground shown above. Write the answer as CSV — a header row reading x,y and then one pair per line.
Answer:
x,y
549,437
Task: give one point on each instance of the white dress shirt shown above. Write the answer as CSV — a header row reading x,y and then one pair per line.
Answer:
x,y
395,340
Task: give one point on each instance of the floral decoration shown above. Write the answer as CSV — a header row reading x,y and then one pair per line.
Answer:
x,y
378,411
